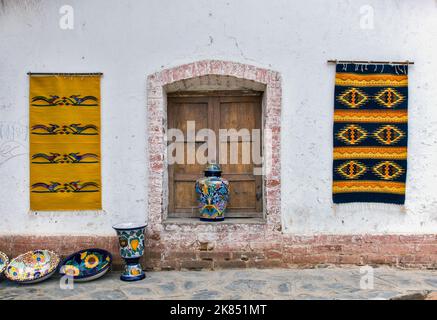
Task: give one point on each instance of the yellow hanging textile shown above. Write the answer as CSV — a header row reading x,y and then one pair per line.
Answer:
x,y
64,134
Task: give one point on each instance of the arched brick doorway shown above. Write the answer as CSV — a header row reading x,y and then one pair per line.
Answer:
x,y
202,245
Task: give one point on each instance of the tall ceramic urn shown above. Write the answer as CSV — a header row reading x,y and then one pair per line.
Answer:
x,y
213,194
131,240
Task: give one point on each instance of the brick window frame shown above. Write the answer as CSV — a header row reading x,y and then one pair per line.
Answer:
x,y
158,223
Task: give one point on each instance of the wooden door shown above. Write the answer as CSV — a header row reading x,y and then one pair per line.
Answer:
x,y
217,110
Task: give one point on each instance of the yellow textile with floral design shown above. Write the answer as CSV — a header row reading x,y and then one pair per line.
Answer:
x,y
64,134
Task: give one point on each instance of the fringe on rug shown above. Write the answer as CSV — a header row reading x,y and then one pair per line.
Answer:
x,y
368,206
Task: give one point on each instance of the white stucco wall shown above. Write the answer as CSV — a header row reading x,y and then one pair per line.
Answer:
x,y
129,39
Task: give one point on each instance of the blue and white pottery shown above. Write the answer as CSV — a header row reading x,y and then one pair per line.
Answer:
x,y
213,194
32,267
131,240
87,265
4,261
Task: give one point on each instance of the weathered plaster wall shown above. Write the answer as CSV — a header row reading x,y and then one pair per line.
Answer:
x,y
127,40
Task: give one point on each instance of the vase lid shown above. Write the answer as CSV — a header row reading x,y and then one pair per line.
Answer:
x,y
129,225
213,167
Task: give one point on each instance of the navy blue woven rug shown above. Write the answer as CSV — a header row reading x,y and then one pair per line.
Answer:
x,y
370,133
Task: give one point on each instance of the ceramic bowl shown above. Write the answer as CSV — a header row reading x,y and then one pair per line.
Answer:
x,y
4,260
33,266
87,265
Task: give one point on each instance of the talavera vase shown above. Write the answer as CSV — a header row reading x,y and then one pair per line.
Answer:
x,y
131,240
213,194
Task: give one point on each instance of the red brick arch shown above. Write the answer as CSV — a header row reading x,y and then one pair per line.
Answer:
x,y
170,240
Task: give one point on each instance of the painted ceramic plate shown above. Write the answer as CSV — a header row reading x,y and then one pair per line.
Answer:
x,y
87,265
33,266
4,260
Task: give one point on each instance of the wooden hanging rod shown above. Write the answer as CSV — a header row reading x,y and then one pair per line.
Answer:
x,y
371,62
64,74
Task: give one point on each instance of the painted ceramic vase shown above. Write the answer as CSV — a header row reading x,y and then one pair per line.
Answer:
x,y
33,266
213,194
131,240
4,261
87,265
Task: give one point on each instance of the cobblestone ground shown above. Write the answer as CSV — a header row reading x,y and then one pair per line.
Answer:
x,y
319,283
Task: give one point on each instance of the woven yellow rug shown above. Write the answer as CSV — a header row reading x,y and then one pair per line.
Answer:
x,y
64,134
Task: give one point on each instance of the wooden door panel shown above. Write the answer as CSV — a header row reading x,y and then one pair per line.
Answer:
x,y
180,113
235,150
241,113
185,195
237,115
216,112
182,197
242,196
192,168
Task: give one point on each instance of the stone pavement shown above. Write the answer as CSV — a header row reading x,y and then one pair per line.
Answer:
x,y
318,283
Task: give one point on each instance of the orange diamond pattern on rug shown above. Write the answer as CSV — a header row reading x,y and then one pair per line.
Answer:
x,y
389,98
388,134
353,98
388,170
352,169
352,134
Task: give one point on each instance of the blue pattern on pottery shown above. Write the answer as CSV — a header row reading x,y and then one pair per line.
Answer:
x,y
213,194
88,264
4,261
131,243
133,272
131,240
33,266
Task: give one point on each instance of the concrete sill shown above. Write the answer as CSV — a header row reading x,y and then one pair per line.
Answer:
x,y
195,221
